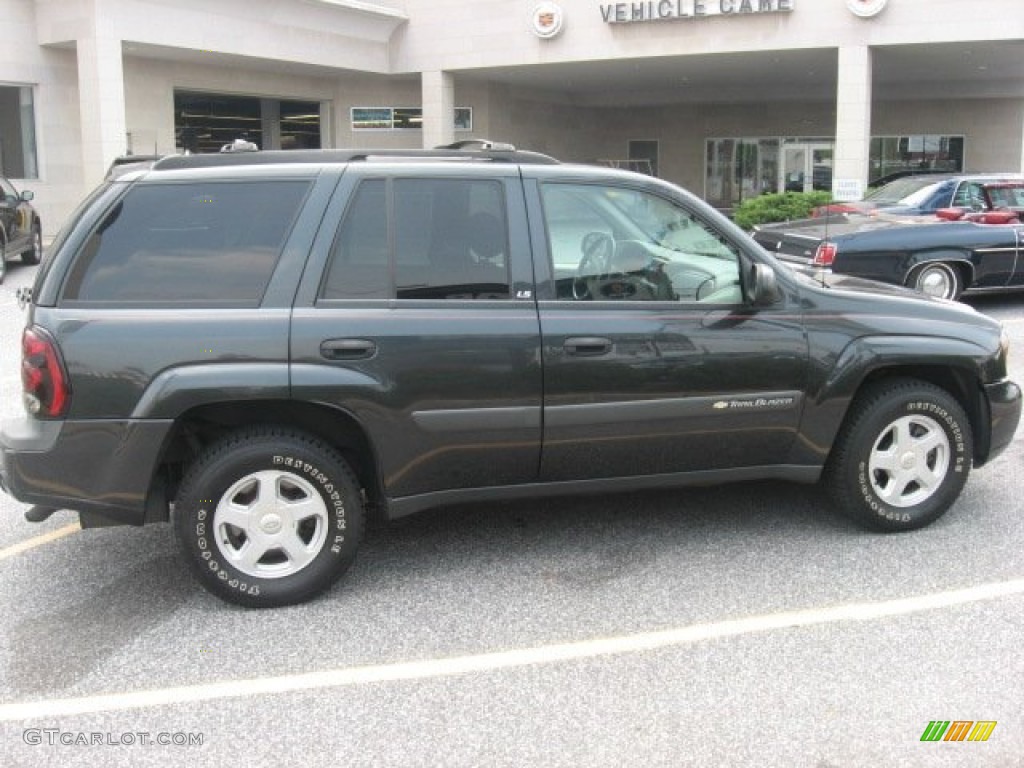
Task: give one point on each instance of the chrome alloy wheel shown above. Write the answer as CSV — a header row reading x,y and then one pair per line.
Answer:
x,y
270,524
909,461
939,280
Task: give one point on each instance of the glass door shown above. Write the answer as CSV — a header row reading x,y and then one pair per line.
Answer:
x,y
806,167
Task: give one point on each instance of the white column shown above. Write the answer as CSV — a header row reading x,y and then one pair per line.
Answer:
x,y
853,118
438,109
101,104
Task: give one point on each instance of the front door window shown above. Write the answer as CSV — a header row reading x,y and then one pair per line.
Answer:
x,y
618,244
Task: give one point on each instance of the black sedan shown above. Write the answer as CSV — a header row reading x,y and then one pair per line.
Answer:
x,y
21,232
955,252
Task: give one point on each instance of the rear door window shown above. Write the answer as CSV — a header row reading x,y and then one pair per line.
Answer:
x,y
422,239
204,243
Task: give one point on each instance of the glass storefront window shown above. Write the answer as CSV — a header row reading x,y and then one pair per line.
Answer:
x,y
922,152
17,132
205,122
408,117
740,168
300,125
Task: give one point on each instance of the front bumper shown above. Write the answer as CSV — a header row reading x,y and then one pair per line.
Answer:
x,y
103,467
1004,403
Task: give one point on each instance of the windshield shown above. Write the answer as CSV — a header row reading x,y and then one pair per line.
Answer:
x,y
901,190
1005,196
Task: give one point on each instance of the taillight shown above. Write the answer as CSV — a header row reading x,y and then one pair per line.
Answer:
x,y
43,381
825,255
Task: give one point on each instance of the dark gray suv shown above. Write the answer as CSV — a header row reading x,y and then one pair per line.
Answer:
x,y
259,347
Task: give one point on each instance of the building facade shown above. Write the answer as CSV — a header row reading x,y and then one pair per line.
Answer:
x,y
729,98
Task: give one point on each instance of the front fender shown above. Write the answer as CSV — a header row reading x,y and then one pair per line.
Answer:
x,y
869,354
957,365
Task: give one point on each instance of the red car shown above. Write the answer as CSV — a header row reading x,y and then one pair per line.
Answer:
x,y
1004,204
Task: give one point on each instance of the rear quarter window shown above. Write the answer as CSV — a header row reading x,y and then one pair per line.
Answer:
x,y
205,243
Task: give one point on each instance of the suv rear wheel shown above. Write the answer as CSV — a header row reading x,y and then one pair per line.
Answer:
x,y
902,457
269,517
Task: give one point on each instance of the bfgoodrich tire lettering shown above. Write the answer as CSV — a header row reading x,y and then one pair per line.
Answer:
x,y
269,517
902,457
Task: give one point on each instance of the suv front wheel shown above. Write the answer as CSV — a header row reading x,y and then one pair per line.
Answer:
x,y
269,517
35,253
902,457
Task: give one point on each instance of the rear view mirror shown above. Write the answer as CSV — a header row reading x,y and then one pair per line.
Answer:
x,y
28,195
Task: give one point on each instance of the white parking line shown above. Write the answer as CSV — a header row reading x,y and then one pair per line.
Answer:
x,y
38,541
491,662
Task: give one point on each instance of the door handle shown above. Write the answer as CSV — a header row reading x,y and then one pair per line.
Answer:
x,y
347,349
588,346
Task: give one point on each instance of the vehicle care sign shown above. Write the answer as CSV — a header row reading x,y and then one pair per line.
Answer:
x,y
665,10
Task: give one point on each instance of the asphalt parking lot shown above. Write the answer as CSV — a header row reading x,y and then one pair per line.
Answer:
x,y
739,626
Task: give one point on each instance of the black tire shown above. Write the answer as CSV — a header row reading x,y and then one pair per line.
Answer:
x,y
939,279
918,429
275,475
35,253
3,262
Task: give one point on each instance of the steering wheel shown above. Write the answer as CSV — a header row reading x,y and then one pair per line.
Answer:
x,y
598,249
633,286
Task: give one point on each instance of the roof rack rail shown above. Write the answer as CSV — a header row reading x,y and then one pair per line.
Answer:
x,y
485,144
497,154
124,164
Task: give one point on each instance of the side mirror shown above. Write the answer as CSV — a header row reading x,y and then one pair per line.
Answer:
x,y
27,195
763,289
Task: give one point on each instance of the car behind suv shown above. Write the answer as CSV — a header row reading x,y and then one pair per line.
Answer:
x,y
261,346
921,195
21,232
